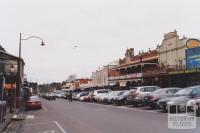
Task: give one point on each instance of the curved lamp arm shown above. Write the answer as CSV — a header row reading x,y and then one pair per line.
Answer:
x,y
34,37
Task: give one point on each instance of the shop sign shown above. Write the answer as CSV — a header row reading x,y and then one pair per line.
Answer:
x,y
9,86
195,70
192,43
193,58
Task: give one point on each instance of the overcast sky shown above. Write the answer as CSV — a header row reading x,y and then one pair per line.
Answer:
x,y
102,30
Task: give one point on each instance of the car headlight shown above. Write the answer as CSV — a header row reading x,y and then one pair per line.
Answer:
x,y
120,98
190,103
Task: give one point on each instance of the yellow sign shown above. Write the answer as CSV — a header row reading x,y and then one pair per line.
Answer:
x,y
9,86
185,71
193,43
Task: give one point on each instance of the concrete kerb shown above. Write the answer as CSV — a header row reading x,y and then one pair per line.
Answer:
x,y
8,120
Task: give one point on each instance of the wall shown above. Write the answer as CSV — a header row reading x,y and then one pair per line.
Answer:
x,y
172,50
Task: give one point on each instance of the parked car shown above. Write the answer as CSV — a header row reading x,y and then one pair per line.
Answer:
x,y
50,96
59,94
85,97
74,94
101,97
137,97
95,96
121,99
110,96
83,93
152,99
180,99
194,105
34,103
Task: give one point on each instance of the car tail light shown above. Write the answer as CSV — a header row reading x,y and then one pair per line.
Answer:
x,y
151,97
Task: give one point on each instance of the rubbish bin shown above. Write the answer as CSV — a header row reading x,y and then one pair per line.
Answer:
x,y
3,105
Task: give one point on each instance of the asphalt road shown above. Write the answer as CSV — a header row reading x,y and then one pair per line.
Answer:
x,y
60,116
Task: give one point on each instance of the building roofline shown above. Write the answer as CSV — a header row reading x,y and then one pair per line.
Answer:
x,y
12,56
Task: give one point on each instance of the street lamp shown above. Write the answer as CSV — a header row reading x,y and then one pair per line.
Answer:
x,y
19,65
141,61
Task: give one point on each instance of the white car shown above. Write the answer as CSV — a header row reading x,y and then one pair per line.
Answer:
x,y
85,96
101,97
137,96
79,95
59,95
194,104
97,94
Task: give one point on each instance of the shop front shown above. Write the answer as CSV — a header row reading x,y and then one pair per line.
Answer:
x,y
184,78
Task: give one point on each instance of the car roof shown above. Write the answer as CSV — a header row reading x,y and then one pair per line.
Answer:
x,y
169,88
147,86
192,87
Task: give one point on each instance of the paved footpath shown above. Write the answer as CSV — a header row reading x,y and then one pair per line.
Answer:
x,y
60,116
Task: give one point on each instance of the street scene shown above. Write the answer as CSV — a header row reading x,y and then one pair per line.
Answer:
x,y
60,116
99,66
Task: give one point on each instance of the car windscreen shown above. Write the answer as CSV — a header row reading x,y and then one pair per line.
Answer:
x,y
184,92
126,93
159,91
120,93
34,98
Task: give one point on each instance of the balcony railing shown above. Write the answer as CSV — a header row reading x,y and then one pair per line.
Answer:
x,y
128,76
160,70
156,70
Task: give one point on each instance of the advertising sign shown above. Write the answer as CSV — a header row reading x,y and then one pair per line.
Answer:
x,y
193,58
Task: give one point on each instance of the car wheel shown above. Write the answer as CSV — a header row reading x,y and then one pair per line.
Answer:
x,y
165,109
136,104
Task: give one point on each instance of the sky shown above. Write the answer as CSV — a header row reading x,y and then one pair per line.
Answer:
x,y
101,29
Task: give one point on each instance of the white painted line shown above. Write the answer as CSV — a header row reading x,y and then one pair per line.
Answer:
x,y
60,127
45,109
30,117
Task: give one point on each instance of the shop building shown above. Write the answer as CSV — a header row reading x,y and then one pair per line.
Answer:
x,y
8,76
191,74
131,69
100,76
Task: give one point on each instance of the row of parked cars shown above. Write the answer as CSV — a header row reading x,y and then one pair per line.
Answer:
x,y
55,94
173,98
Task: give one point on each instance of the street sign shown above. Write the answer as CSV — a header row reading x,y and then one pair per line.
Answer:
x,y
9,86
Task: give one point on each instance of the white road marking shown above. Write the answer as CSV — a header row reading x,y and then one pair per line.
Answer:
x,y
30,117
48,131
45,109
60,127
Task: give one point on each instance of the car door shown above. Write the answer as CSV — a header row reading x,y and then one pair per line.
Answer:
x,y
141,93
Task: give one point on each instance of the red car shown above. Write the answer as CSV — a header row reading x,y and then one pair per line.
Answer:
x,y
34,103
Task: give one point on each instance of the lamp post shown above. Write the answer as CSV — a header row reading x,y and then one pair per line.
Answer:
x,y
141,61
19,64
